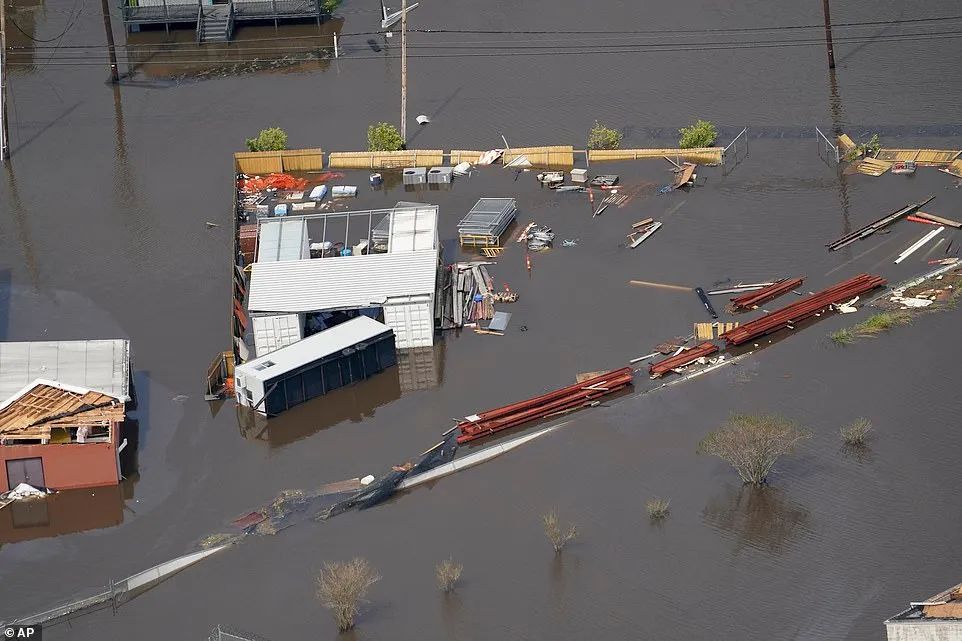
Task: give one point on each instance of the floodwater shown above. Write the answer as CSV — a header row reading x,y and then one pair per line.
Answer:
x,y
102,235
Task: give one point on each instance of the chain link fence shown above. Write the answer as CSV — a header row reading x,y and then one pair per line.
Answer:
x,y
224,633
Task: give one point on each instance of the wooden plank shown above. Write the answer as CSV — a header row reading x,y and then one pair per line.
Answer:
x,y
938,219
642,223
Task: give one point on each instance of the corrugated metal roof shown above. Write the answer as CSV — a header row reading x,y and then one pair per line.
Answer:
x,y
413,229
282,240
347,282
312,348
101,365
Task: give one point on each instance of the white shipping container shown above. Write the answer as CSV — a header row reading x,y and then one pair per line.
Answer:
x,y
274,332
412,319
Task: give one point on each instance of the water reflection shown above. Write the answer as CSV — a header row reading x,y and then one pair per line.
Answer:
x,y
763,518
293,47
65,512
354,403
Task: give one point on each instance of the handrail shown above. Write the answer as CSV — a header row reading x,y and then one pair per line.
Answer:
x,y
200,21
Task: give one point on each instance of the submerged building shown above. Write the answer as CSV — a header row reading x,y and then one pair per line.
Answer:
x,y
316,270
938,618
62,408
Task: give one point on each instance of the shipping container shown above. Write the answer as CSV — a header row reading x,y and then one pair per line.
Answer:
x,y
344,354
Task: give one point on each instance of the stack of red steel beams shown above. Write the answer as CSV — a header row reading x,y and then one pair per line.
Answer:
x,y
808,306
751,300
566,398
680,360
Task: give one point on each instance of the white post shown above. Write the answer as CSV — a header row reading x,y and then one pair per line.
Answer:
x,y
404,70
335,44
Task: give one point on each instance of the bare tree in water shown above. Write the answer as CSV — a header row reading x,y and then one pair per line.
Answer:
x,y
753,443
341,587
558,536
448,573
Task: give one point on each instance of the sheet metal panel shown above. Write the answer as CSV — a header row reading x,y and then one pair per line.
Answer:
x,y
347,282
102,365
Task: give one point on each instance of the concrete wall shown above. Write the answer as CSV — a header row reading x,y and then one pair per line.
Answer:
x,y
68,466
922,630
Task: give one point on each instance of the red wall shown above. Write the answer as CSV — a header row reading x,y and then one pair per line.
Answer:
x,y
68,466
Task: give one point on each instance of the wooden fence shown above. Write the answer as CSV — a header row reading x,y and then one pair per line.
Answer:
x,y
464,155
266,162
930,157
385,159
557,156
700,155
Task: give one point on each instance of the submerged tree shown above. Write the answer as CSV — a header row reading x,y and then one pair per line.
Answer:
x,y
448,573
658,508
383,136
341,587
602,137
558,536
856,433
701,134
752,443
270,139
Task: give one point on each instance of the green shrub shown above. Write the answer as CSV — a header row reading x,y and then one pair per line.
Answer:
x,y
270,139
329,6
700,134
384,136
602,137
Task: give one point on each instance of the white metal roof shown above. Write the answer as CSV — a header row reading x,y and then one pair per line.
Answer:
x,y
312,348
101,365
346,282
413,229
281,240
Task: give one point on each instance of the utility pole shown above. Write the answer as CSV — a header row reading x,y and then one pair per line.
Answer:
x,y
4,128
404,70
114,76
828,34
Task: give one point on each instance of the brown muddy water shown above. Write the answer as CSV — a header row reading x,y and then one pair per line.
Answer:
x,y
102,235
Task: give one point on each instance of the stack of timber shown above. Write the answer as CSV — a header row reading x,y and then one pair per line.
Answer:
x,y
871,228
787,316
472,293
561,400
683,358
752,300
713,330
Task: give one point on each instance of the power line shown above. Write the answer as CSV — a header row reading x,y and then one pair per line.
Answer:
x,y
543,32
654,48
517,47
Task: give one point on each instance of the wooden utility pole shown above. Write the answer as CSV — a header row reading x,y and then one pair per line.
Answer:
x,y
4,128
404,70
105,8
828,34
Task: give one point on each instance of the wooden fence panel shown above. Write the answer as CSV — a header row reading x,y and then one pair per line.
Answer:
x,y
385,159
556,156
700,155
303,159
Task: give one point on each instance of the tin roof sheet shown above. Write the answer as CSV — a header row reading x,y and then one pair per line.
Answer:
x,y
346,282
101,365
